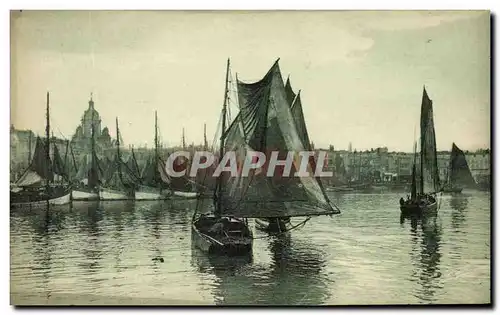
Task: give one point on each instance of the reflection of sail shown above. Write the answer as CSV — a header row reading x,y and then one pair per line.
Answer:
x,y
296,270
428,256
293,277
234,283
458,205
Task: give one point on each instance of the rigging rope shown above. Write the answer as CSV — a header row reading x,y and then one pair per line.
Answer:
x,y
281,233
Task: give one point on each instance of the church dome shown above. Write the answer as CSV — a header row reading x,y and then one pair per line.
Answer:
x,y
91,113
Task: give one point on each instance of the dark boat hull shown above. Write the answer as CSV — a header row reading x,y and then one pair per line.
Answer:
x,y
278,225
218,244
24,199
419,207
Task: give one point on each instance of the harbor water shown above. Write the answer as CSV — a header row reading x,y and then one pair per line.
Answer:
x,y
141,253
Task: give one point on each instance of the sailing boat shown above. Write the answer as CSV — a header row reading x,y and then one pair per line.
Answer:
x,y
154,180
423,196
214,232
183,187
264,124
36,186
120,182
90,171
459,174
283,224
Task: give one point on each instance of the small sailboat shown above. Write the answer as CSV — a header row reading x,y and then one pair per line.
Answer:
x,y
90,173
459,175
423,197
120,182
155,183
44,182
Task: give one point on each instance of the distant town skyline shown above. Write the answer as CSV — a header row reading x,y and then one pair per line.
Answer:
x,y
361,73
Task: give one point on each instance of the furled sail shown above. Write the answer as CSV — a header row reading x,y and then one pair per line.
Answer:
x,y
154,174
429,181
460,174
89,172
58,165
265,124
119,176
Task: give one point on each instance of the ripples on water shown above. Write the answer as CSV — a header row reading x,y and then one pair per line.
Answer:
x,y
366,255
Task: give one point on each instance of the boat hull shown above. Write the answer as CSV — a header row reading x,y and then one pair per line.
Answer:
x,y
107,194
152,193
185,195
213,244
59,198
419,207
84,195
279,225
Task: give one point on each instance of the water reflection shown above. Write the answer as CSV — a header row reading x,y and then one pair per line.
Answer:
x,y
426,256
45,223
292,278
116,213
154,219
89,216
458,204
296,271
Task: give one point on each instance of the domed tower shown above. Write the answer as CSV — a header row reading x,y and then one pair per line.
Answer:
x,y
91,116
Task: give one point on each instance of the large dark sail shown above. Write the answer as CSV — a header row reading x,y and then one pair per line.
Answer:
x,y
265,124
459,173
429,173
290,94
39,170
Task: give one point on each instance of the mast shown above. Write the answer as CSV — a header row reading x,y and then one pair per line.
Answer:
x,y
66,168
47,144
92,141
29,149
183,140
421,186
413,174
118,149
218,210
156,137
205,143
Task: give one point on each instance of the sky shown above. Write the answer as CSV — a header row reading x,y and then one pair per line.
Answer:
x,y
361,73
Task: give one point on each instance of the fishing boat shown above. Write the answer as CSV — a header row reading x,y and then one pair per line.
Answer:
x,y
459,175
183,186
283,224
214,231
44,182
423,198
261,126
120,182
154,180
89,172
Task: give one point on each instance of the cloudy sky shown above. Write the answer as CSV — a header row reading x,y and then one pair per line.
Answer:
x,y
361,73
